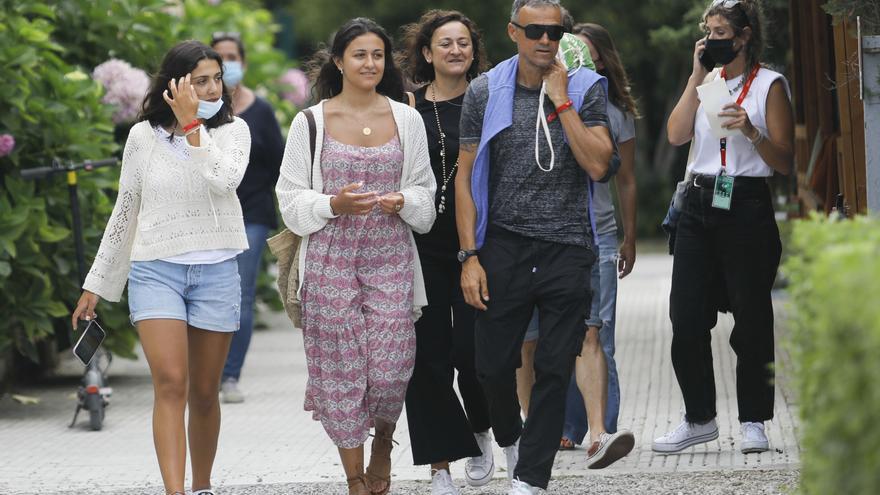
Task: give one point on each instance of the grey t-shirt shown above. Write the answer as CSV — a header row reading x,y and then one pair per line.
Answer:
x,y
623,128
549,206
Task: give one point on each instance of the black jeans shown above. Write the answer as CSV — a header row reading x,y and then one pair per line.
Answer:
x,y
438,428
522,274
725,259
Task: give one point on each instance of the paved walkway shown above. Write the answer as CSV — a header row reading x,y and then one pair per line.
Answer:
x,y
270,445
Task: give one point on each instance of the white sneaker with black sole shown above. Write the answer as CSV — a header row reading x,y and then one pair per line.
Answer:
x,y
441,483
754,440
685,435
478,471
610,448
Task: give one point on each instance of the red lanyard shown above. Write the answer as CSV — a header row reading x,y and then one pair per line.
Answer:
x,y
739,100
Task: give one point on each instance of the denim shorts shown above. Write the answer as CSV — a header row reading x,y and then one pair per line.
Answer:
x,y
204,296
603,284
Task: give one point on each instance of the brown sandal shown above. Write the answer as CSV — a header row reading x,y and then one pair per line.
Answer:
x,y
566,444
379,469
357,485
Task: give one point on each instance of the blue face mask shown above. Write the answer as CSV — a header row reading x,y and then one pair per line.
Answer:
x,y
233,73
208,109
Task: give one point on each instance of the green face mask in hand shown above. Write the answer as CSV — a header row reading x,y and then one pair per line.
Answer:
x,y
574,54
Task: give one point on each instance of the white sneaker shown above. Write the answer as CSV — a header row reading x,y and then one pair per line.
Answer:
x,y
229,392
518,487
686,435
610,448
441,483
512,454
478,471
753,438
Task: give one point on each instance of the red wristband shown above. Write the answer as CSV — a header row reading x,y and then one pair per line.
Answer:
x,y
561,108
192,125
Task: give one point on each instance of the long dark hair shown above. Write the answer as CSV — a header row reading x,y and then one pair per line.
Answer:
x,y
328,79
618,81
418,35
743,14
178,62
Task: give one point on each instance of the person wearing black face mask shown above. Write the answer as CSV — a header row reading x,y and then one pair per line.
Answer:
x,y
727,246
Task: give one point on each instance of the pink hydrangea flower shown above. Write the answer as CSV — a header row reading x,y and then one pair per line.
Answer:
x,y
298,83
7,144
124,86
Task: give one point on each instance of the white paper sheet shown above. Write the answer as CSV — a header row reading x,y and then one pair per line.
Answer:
x,y
714,96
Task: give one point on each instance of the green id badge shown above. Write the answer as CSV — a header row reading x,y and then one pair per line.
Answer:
x,y
723,194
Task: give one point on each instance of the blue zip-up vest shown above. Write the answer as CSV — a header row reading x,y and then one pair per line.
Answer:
x,y
499,116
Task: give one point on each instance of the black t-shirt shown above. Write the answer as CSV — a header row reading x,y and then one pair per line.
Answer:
x,y
256,191
442,240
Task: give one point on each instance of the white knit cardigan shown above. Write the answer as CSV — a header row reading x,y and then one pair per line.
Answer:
x,y
168,205
306,209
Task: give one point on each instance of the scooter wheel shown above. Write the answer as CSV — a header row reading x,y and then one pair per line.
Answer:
x,y
95,406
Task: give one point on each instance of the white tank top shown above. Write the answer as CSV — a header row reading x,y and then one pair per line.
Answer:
x,y
742,158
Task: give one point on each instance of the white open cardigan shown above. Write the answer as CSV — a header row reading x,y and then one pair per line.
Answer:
x,y
306,209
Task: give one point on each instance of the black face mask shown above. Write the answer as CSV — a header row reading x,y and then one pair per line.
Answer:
x,y
721,51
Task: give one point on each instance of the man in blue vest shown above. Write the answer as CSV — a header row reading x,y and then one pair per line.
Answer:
x,y
522,203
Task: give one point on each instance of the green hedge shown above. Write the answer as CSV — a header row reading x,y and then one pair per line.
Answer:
x,y
53,109
834,270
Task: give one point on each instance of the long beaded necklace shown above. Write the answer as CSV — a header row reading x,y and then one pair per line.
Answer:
x,y
441,207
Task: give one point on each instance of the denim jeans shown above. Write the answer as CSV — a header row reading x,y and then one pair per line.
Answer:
x,y
248,270
603,315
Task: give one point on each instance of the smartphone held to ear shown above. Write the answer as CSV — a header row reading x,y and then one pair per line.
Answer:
x,y
89,342
706,61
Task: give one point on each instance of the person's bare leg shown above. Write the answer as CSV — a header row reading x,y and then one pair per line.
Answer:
x,y
525,376
165,346
207,355
353,464
378,472
440,466
592,380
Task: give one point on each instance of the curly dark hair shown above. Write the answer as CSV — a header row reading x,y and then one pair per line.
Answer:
x,y
742,14
325,73
418,35
178,62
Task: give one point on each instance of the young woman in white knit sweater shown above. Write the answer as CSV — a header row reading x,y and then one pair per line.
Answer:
x,y
173,235
370,185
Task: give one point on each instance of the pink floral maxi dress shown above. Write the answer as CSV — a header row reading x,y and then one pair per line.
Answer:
x,y
357,301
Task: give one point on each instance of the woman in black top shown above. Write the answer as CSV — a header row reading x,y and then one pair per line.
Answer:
x,y
256,195
443,53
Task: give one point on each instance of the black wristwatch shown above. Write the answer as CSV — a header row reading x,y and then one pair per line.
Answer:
x,y
464,254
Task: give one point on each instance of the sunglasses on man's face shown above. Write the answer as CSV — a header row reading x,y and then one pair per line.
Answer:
x,y
537,31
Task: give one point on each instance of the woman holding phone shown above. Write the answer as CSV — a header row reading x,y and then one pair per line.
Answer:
x,y
174,235
728,244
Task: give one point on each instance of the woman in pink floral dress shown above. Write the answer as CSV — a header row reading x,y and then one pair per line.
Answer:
x,y
356,206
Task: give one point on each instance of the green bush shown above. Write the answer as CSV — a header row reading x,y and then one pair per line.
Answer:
x,y
53,109
834,269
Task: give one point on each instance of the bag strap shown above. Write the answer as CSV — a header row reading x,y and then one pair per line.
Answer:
x,y
313,136
412,98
